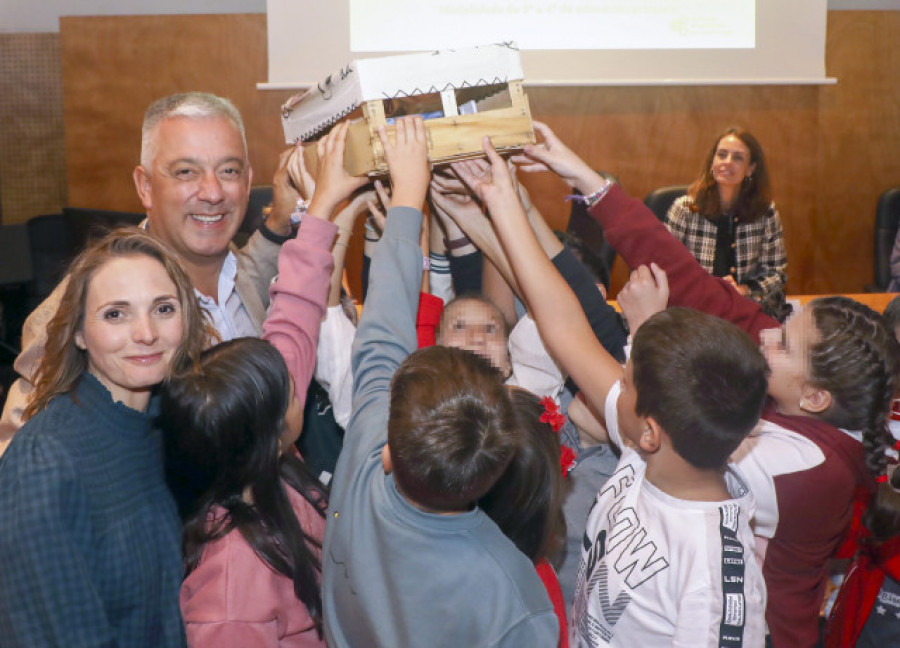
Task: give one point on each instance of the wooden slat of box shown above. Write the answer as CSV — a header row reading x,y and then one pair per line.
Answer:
x,y
449,138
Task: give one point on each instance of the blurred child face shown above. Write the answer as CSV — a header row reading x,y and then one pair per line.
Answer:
x,y
474,326
787,351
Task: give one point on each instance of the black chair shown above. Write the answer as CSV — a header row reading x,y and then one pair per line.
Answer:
x,y
589,231
55,239
659,200
86,224
887,220
260,198
52,247
16,275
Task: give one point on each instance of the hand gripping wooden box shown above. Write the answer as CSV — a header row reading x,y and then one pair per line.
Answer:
x,y
462,94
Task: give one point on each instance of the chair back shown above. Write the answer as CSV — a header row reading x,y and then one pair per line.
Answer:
x,y
55,239
260,198
887,220
589,231
659,200
52,247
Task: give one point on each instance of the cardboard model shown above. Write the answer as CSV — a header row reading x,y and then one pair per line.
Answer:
x,y
463,95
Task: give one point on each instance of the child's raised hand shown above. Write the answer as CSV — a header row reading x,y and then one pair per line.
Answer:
x,y
377,217
646,293
553,155
462,210
285,193
301,177
333,183
358,205
446,182
489,180
407,159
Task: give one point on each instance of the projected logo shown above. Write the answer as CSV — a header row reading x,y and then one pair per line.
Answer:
x,y
552,25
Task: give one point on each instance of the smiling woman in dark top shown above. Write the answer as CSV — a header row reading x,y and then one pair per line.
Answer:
x,y
90,547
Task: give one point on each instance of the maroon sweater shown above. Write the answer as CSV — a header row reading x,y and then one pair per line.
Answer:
x,y
815,506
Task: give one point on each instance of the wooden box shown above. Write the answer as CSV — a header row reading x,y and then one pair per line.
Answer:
x,y
462,94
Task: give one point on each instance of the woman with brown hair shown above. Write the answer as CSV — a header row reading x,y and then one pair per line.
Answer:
x,y
729,223
90,540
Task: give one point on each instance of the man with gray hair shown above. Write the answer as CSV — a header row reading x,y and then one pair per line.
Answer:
x,y
194,182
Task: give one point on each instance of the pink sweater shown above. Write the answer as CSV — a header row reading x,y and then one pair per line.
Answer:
x,y
233,598
298,298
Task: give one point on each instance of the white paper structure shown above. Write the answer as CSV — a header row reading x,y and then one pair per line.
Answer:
x,y
306,115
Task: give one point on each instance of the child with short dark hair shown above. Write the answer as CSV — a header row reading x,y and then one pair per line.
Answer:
x,y
823,434
450,431
409,560
668,553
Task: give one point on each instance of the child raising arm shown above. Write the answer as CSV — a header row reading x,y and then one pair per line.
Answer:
x,y
667,557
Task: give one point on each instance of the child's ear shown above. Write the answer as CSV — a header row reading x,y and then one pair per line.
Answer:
x,y
814,400
651,436
386,460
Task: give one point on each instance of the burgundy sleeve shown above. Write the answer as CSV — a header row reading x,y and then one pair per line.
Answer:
x,y
636,234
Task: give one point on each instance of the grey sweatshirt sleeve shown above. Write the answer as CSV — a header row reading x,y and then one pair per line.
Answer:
x,y
386,333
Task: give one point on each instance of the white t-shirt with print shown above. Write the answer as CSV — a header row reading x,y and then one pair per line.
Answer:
x,y
661,571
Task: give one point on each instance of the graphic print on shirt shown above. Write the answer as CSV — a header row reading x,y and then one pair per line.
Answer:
x,y
623,546
731,629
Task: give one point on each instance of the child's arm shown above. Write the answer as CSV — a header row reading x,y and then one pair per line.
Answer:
x,y
460,213
645,294
640,238
386,333
305,264
554,307
602,317
428,317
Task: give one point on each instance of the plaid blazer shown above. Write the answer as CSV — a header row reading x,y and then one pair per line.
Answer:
x,y
761,259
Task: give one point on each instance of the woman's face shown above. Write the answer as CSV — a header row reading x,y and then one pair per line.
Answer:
x,y
132,327
787,351
731,162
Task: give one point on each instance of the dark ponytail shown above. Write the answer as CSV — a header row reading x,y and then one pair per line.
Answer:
x,y
856,360
221,425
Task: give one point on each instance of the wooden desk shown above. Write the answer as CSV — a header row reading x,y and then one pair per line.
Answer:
x,y
875,301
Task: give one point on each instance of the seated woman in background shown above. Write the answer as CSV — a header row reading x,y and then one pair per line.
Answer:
x,y
729,223
90,541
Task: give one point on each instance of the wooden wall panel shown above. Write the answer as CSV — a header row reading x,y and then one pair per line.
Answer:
x,y
115,66
831,149
653,137
859,129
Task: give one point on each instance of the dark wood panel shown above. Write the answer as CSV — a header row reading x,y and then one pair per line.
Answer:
x,y
115,66
859,128
653,137
831,149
